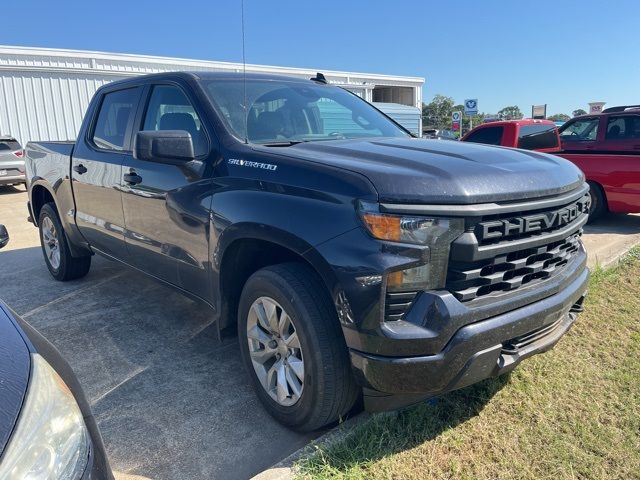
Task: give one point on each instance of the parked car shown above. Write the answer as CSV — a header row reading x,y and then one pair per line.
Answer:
x,y
606,147
11,162
47,429
439,134
351,257
538,135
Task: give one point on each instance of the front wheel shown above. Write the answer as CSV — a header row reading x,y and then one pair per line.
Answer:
x,y
61,264
293,348
598,202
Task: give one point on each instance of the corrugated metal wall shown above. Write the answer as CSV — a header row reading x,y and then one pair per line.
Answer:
x,y
41,106
409,117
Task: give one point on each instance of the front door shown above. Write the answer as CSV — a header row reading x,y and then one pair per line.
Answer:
x,y
96,171
165,218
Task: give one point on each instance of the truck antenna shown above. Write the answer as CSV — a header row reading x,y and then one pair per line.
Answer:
x,y
244,79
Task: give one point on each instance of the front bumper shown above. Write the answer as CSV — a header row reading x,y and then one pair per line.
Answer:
x,y
12,179
477,351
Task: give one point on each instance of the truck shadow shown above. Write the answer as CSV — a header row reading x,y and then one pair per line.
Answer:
x,y
12,190
386,434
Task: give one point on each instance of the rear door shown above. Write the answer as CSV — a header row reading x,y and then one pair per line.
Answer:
x,y
622,134
96,170
166,223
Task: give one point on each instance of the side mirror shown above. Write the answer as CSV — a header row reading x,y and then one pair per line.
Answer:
x,y
4,236
174,147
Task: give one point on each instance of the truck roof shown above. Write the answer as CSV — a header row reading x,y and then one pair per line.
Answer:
x,y
207,75
521,122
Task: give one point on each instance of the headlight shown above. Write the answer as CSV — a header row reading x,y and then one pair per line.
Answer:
x,y
50,439
437,233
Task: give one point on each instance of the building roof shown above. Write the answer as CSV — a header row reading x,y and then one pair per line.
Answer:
x,y
122,64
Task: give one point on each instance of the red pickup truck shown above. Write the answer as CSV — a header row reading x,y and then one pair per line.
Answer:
x,y
605,146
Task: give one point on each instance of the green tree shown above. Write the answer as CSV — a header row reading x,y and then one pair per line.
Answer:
x,y
559,117
578,112
437,113
511,112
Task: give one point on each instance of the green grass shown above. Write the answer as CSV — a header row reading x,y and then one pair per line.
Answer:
x,y
572,413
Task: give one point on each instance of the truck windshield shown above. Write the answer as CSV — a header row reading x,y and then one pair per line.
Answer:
x,y
282,112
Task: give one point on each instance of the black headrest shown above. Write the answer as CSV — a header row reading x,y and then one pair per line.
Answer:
x,y
266,126
178,121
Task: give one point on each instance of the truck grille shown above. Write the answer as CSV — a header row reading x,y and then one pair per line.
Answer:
x,y
396,304
502,273
500,254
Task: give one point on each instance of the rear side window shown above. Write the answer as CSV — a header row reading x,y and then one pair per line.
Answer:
x,y
580,130
536,137
116,113
623,127
487,135
9,144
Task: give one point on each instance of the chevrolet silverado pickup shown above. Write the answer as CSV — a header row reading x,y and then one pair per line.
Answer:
x,y
352,258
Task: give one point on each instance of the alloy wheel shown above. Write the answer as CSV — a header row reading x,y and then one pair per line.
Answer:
x,y
275,350
50,242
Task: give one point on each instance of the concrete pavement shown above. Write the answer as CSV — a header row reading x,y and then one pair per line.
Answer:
x,y
171,400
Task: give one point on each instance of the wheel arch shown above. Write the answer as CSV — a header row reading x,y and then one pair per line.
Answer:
x,y
41,193
247,249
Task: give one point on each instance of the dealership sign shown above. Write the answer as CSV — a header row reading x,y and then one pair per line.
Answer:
x,y
471,107
596,107
456,118
539,111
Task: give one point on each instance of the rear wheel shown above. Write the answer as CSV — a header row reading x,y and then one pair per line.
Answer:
x,y
598,202
61,264
293,348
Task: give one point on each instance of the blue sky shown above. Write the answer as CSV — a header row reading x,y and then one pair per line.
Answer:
x,y
503,52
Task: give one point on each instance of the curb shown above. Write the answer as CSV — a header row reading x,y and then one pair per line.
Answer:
x,y
285,469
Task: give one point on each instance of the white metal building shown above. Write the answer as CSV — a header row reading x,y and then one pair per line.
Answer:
x,y
45,92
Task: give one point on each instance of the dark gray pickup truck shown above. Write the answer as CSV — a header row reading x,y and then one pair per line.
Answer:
x,y
352,258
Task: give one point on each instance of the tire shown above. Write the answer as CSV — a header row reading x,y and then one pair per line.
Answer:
x,y
55,247
598,202
328,390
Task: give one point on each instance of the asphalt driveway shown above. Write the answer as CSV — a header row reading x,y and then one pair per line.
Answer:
x,y
172,400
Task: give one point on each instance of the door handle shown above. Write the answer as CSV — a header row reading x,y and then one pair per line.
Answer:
x,y
132,178
80,169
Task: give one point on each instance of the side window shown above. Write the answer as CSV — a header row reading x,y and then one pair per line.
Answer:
x,y
487,135
170,109
537,137
580,130
623,127
616,128
116,111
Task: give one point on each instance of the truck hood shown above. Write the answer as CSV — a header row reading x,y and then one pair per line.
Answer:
x,y
409,170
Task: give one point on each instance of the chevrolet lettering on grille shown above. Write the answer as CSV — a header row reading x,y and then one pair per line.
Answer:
x,y
538,222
